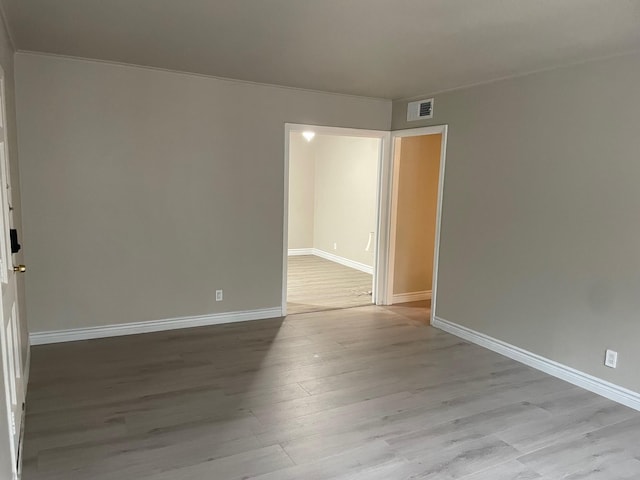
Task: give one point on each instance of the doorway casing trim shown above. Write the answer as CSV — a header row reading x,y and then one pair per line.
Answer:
x,y
382,203
392,207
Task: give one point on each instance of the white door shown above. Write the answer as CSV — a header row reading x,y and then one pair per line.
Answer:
x,y
9,332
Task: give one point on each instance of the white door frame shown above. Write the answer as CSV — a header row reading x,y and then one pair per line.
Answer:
x,y
392,208
382,234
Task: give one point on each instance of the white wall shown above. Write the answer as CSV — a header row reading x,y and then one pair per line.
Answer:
x,y
540,223
346,195
333,194
302,165
146,190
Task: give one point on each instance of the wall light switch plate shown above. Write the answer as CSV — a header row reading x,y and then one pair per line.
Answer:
x,y
218,295
611,359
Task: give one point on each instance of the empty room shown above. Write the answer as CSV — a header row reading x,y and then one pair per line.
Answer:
x,y
291,239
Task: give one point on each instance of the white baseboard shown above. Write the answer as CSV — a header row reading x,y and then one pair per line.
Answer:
x,y
71,335
293,252
411,297
588,382
343,261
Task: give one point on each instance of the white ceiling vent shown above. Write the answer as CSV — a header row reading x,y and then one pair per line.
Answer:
x,y
420,110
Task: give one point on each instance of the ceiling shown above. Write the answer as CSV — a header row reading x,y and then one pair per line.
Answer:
x,y
378,48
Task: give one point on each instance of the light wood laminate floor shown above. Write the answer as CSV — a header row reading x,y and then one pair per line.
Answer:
x,y
315,284
366,393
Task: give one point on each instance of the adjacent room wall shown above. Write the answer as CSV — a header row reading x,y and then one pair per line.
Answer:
x,y
416,213
6,61
147,190
346,195
333,182
302,164
540,223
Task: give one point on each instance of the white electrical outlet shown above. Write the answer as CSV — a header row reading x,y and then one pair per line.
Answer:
x,y
218,295
335,245
611,359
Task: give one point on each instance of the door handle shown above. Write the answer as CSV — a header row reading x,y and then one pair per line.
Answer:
x,y
20,268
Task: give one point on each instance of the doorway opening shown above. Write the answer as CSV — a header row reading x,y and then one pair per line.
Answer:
x,y
418,164
332,217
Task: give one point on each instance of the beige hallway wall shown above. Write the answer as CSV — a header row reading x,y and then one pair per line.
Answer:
x,y
145,190
417,202
540,230
302,177
345,195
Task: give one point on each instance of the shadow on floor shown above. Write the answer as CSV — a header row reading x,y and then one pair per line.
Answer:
x,y
101,406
